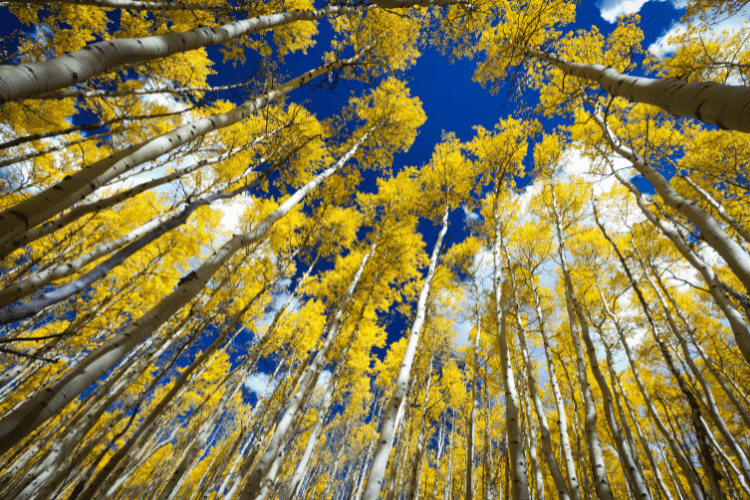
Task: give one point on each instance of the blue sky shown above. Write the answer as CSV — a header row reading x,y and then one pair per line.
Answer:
x,y
451,100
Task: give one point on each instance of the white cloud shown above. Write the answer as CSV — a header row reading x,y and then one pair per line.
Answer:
x,y
469,215
323,379
662,47
260,384
232,211
463,320
581,167
610,10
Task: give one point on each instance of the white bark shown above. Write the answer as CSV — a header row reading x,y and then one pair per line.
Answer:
x,y
96,206
73,188
710,403
385,441
28,80
25,287
562,418
135,241
715,287
642,438
312,441
469,490
201,438
137,5
516,455
533,393
727,106
674,446
254,481
532,444
593,442
738,227
736,258
23,420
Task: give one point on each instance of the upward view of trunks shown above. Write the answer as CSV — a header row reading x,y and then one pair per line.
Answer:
x,y
213,288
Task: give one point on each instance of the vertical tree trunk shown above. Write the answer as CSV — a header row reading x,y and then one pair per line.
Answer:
x,y
385,441
306,384
22,217
644,442
705,451
593,442
294,482
517,457
21,422
417,459
710,403
533,393
562,418
469,490
711,230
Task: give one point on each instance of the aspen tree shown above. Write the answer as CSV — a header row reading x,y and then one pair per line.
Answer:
x,y
42,77
100,360
717,290
637,481
533,392
709,398
712,473
500,156
445,182
576,321
292,487
40,207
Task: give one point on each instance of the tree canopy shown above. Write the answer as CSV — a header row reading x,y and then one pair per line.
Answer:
x,y
214,285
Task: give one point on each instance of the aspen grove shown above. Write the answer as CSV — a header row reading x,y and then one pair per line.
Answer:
x,y
496,323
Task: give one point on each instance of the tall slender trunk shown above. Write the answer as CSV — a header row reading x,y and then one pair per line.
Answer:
x,y
593,442
516,457
715,286
711,230
549,454
385,441
532,444
22,421
718,376
718,104
294,482
110,201
647,448
19,219
254,481
147,425
695,409
562,418
710,403
469,491
201,437
695,412
418,457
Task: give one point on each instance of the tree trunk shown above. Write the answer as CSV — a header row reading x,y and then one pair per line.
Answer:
x,y
254,480
725,106
735,256
385,441
17,220
29,80
21,422
593,442
517,457
549,454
